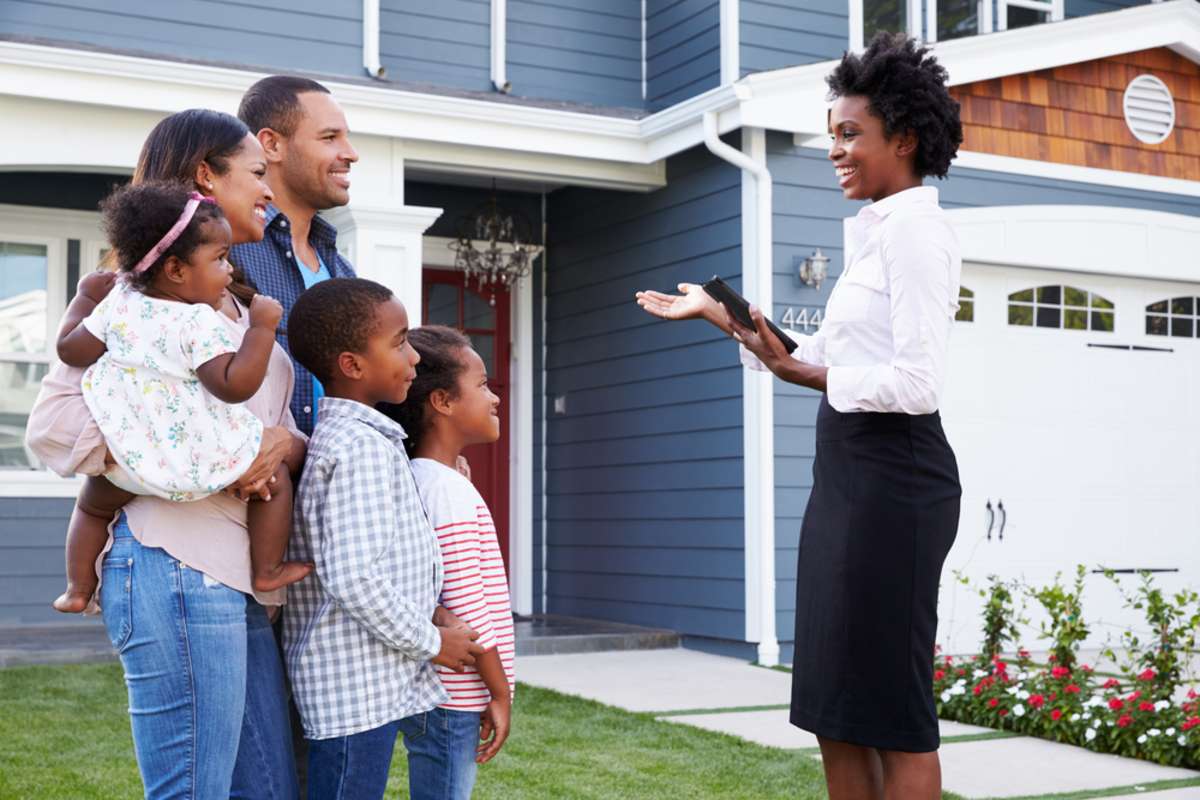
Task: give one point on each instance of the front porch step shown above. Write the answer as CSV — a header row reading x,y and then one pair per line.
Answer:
x,y
551,634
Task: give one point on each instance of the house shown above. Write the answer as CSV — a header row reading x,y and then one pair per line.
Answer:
x,y
644,476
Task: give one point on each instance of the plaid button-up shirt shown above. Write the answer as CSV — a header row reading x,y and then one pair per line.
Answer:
x,y
271,266
358,632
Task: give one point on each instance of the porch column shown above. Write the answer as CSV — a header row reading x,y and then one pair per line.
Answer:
x,y
384,244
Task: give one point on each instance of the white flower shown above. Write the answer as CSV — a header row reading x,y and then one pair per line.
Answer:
x,y
1182,740
1013,690
1023,695
960,682
1154,732
1074,718
1141,739
1096,723
1162,705
1087,715
1018,710
980,673
946,697
1090,734
1170,731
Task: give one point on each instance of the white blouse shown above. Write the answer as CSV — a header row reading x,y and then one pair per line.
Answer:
x,y
887,323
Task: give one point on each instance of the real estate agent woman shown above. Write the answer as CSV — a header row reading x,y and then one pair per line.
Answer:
x,y
885,499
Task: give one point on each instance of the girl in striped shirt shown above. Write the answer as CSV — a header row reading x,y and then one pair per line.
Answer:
x,y
449,407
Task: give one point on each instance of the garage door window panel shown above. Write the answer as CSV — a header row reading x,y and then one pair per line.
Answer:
x,y
966,305
1175,317
1061,307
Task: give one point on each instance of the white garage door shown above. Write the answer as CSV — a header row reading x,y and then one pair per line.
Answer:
x,y
1071,403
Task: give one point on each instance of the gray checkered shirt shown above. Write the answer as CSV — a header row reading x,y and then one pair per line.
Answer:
x,y
358,633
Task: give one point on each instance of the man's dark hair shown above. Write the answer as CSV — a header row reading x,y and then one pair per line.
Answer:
x,y
333,317
441,351
906,88
274,103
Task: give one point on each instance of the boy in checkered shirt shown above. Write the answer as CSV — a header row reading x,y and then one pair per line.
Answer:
x,y
359,634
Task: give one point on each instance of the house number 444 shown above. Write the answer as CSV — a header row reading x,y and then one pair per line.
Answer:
x,y
802,320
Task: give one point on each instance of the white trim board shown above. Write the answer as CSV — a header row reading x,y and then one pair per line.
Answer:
x,y
1103,240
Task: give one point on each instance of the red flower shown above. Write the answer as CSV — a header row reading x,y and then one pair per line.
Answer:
x,y
1022,653
1036,700
962,672
1055,715
1053,696
938,675
993,703
1003,712
1134,696
1060,672
978,690
1191,723
1051,657
1111,683
1071,689
1145,706
1116,704
1124,721
1188,708
1085,668
1148,675
1192,694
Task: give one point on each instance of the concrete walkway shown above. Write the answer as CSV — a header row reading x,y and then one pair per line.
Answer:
x,y
733,697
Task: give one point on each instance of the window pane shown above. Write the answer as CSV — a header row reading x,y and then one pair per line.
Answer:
x,y
1022,297
965,292
442,306
1100,302
1074,297
1155,326
19,384
957,18
1050,294
884,15
1049,317
1024,17
1183,305
1182,327
1020,315
478,312
1159,308
1102,321
966,311
1075,320
23,269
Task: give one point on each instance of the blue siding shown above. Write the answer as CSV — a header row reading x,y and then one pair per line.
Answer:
x,y
447,43
683,50
644,470
778,33
32,535
311,36
1082,8
576,50
808,213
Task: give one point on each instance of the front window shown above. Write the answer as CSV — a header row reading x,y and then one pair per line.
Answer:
x,y
941,20
24,336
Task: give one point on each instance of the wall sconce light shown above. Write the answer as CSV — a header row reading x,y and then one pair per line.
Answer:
x,y
814,269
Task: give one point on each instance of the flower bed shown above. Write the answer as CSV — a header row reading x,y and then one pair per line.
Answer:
x,y
1070,705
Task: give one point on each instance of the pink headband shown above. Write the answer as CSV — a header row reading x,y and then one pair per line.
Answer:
x,y
168,239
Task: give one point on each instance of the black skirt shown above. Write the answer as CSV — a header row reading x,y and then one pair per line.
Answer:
x,y
880,521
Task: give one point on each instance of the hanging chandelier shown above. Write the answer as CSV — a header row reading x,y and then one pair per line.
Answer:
x,y
493,247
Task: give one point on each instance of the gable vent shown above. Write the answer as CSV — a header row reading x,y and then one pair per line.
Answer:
x,y
1149,109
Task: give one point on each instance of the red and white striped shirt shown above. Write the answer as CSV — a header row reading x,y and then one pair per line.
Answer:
x,y
475,587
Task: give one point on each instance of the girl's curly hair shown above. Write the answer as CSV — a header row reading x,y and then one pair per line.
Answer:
x,y
905,88
440,366
137,216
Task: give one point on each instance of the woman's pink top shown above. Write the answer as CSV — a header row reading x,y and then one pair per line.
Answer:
x,y
208,535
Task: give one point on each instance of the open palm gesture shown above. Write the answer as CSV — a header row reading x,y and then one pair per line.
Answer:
x,y
692,303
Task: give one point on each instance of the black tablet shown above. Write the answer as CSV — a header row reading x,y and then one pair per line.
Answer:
x,y
739,309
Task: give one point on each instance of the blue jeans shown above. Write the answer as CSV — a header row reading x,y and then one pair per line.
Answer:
x,y
441,759
201,673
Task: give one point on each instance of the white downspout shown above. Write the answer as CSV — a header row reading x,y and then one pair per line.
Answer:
x,y
499,46
371,62
758,391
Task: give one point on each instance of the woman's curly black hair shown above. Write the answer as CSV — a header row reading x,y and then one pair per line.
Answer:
x,y
906,89
441,365
136,217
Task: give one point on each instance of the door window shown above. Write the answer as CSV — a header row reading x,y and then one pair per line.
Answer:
x,y
1063,307
1174,317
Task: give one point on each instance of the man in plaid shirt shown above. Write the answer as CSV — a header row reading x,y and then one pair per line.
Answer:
x,y
306,141
358,632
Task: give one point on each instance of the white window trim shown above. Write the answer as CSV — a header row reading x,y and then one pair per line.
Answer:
x,y
51,228
922,23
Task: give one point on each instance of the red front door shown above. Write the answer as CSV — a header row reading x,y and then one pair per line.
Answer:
x,y
447,301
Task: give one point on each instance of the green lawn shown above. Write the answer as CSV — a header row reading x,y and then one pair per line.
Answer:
x,y
64,733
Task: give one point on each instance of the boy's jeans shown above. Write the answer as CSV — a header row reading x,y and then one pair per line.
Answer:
x,y
441,759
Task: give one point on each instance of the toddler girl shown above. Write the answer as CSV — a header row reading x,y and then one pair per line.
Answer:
x,y
449,407
166,380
